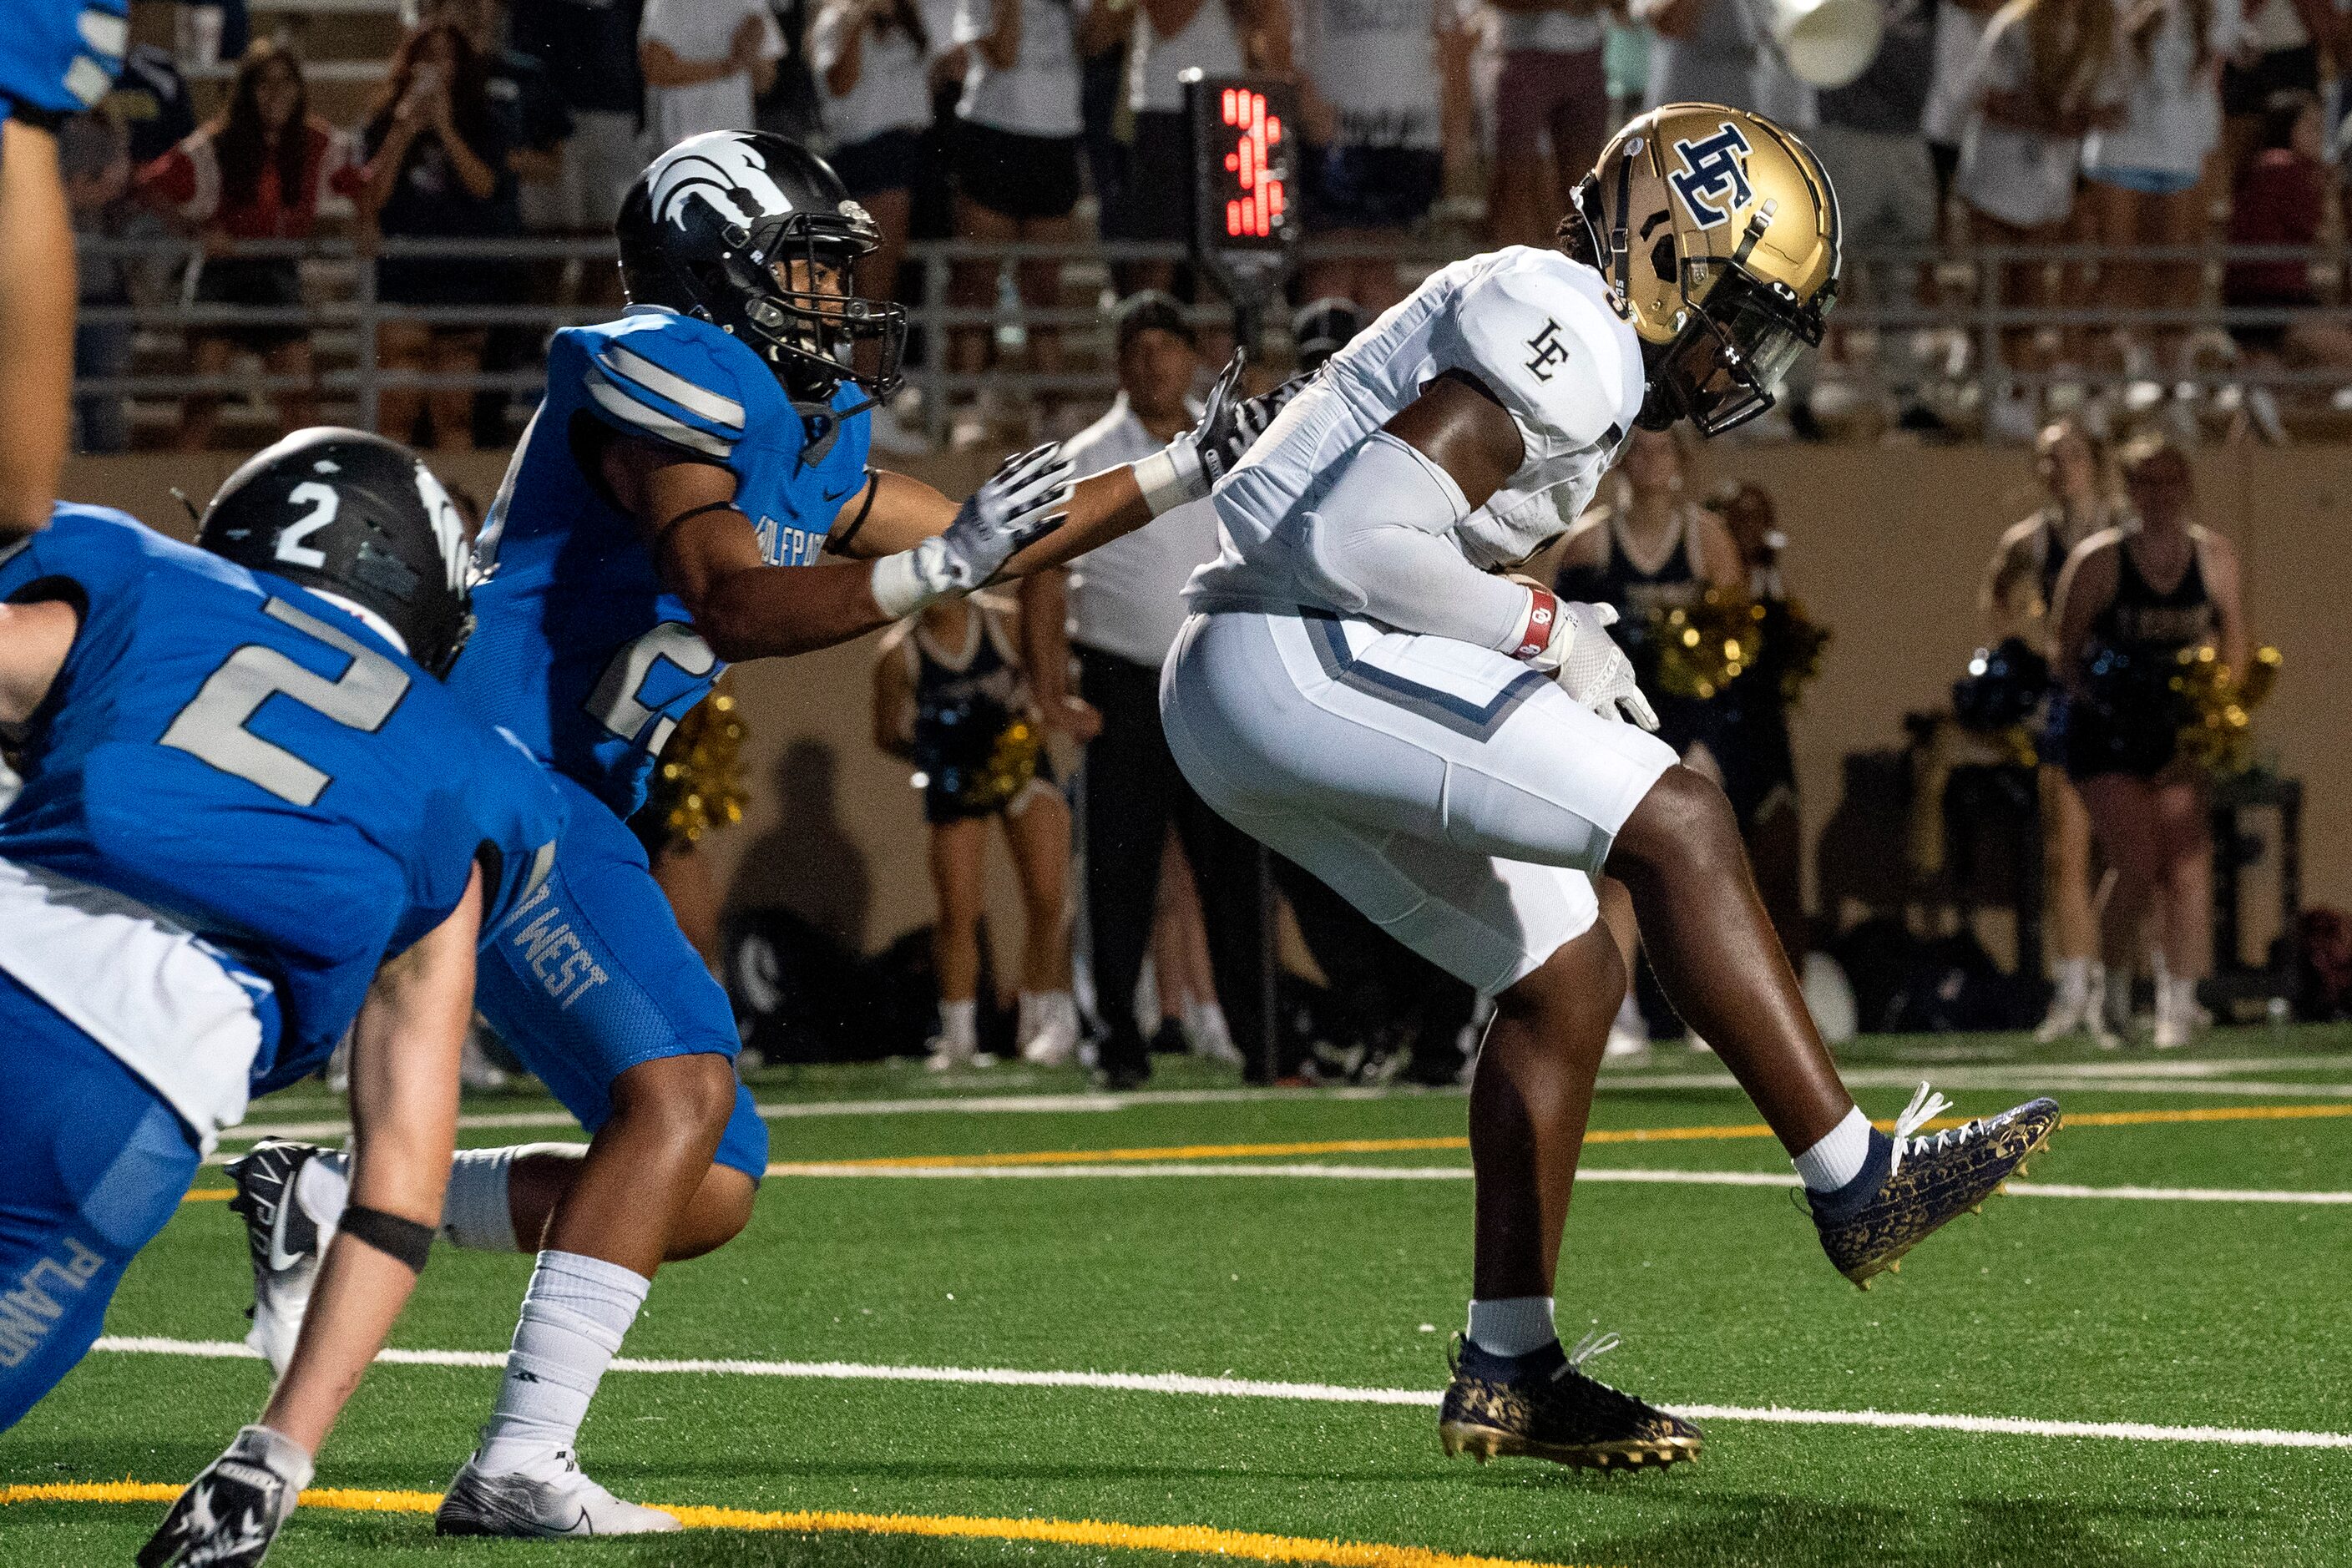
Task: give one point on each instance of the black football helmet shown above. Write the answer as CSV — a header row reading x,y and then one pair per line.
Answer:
x,y
357,516
711,229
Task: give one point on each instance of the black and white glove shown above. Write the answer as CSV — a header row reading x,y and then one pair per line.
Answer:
x,y
1020,504
1188,467
230,1514
1590,666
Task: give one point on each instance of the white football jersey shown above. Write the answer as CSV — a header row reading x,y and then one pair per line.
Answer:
x,y
1534,327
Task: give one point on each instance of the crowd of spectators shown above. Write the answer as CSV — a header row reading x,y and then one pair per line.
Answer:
x,y
2114,124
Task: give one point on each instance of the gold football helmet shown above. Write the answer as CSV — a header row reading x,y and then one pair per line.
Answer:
x,y
1718,232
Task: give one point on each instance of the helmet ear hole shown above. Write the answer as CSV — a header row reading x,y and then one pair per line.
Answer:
x,y
1661,258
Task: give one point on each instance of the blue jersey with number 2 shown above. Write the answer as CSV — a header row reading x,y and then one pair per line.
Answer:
x,y
258,765
578,648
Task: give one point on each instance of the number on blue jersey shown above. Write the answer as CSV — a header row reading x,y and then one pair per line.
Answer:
x,y
212,726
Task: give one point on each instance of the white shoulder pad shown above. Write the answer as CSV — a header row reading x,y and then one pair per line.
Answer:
x,y
1537,330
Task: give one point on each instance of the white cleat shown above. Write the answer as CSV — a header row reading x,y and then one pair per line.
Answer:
x,y
1209,1038
474,1068
291,1196
1629,1035
1049,1029
565,1504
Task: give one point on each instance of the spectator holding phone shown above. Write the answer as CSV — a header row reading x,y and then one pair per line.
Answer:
x,y
436,157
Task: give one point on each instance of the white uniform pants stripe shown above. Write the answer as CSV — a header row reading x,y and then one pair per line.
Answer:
x,y
1459,804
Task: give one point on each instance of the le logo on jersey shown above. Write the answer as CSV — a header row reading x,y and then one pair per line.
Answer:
x,y
1548,350
1713,180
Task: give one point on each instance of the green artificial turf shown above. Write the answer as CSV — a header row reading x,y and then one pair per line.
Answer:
x,y
2228,1314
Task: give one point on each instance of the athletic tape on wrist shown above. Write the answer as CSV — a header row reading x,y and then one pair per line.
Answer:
x,y
898,585
1543,618
402,1240
1170,476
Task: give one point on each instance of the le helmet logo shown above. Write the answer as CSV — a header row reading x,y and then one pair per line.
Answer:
x,y
1713,180
1548,350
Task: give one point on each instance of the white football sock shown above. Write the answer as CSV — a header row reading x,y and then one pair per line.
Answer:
x,y
476,1212
2074,976
960,1025
322,1186
1512,1326
1838,1158
574,1316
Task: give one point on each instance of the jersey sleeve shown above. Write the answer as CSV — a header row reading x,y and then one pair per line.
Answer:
x,y
681,383
1540,334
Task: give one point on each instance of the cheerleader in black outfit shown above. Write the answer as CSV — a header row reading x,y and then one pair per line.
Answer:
x,y
950,697
1652,547
2020,588
2129,599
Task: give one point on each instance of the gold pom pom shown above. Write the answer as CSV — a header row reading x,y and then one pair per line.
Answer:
x,y
1011,764
699,784
1704,647
2218,732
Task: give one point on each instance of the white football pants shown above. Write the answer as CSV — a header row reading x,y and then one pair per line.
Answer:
x,y
1458,798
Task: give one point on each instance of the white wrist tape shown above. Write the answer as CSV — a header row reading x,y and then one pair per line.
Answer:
x,y
905,583
1172,477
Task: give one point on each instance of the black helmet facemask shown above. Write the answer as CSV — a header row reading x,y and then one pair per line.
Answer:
x,y
811,335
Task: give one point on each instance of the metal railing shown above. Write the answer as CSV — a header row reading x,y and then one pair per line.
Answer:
x,y
347,314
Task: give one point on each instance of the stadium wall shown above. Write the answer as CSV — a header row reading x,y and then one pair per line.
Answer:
x,y
1887,547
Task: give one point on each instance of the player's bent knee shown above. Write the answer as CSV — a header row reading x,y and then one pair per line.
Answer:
x,y
693,1093
1684,818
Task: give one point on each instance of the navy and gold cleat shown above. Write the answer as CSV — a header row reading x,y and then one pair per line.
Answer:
x,y
1913,1186
1546,1407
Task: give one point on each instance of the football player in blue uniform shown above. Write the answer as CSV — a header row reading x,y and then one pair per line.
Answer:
x,y
249,817
56,57
714,433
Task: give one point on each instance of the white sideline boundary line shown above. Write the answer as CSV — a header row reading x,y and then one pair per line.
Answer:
x,y
2201,1077
1163,1168
1172,1382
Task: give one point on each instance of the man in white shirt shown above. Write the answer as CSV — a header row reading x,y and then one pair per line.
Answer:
x,y
1125,605
705,63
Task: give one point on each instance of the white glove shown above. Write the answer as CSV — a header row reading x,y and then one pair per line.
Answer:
x,y
230,1514
1017,507
1590,666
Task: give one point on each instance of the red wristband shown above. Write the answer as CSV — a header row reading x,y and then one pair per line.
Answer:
x,y
1543,614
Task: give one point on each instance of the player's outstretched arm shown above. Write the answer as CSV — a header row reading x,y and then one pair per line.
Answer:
x,y
709,555
405,1050
36,326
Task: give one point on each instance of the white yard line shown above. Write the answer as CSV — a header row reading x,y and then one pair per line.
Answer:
x,y
2198,1076
1317,1171
1170,1382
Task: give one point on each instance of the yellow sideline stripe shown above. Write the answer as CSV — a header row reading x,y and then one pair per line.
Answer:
x,y
1401,1145
1598,1135
1198,1539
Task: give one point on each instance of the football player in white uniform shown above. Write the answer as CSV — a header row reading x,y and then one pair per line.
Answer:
x,y
1362,687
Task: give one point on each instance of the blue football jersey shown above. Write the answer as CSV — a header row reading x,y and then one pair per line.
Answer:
x,y
60,57
577,649
254,763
